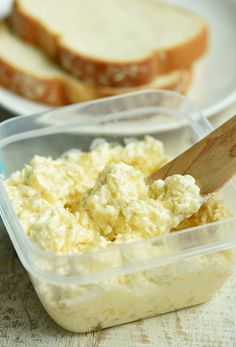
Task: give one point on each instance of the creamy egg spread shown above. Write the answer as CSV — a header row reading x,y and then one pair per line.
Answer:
x,y
88,200
93,200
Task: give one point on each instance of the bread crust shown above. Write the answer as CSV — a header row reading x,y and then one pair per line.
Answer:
x,y
110,73
49,91
179,84
60,91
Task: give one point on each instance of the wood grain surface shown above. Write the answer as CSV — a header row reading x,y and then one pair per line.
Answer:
x,y
24,322
211,161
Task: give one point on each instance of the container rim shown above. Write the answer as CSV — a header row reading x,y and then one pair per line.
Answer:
x,y
190,108
79,106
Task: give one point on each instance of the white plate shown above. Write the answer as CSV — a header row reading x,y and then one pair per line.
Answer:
x,y
214,83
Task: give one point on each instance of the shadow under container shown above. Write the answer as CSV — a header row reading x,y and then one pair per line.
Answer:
x,y
86,292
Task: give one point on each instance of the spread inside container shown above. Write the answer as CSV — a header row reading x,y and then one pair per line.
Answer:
x,y
89,200
93,200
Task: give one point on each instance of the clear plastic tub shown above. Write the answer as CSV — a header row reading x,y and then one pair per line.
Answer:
x,y
134,280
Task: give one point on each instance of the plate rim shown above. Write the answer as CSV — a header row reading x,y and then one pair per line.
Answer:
x,y
13,108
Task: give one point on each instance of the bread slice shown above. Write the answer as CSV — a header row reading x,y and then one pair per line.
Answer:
x,y
119,43
25,70
178,80
28,72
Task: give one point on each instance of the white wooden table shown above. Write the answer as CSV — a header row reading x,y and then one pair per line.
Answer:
x,y
24,323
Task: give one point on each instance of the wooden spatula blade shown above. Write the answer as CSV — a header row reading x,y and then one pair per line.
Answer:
x,y
211,161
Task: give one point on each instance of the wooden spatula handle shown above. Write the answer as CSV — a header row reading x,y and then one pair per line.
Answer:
x,y
211,161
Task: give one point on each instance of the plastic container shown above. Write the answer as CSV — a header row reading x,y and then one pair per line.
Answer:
x,y
134,280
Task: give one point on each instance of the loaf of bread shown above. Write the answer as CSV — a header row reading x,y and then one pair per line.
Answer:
x,y
27,71
116,43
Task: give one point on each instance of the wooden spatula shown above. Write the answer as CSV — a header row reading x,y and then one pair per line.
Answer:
x,y
211,161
